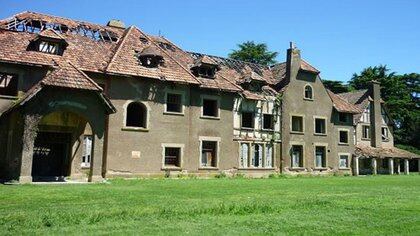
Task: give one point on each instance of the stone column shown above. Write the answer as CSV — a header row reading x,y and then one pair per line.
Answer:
x,y
96,162
374,166
29,134
406,167
398,166
391,166
356,166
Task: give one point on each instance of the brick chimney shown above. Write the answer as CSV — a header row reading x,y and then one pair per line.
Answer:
x,y
376,114
116,24
292,62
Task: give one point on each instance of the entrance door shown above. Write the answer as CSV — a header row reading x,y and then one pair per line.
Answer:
x,y
50,158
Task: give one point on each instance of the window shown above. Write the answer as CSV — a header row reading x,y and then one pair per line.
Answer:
x,y
320,157
308,92
297,156
320,126
247,119
172,157
268,155
342,117
344,136
344,161
207,72
8,84
87,151
209,153
49,47
210,108
268,121
385,131
136,115
257,156
244,155
297,123
174,102
366,132
150,61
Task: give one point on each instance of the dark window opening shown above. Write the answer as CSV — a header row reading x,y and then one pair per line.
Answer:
x,y
150,61
8,84
342,117
320,127
209,154
268,121
205,71
172,156
344,136
384,131
344,161
297,124
136,115
174,102
385,163
50,47
210,108
297,156
308,92
247,120
320,154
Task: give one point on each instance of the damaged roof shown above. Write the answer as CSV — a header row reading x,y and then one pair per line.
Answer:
x,y
383,152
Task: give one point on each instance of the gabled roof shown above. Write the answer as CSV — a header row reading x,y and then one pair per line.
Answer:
x,y
52,34
206,60
308,67
342,105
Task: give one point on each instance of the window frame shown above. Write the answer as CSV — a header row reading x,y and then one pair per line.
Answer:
x,y
210,97
291,124
385,138
181,147
304,92
182,112
87,164
135,128
325,125
346,115
251,152
252,120
272,125
348,136
209,139
14,77
302,158
348,155
325,146
368,133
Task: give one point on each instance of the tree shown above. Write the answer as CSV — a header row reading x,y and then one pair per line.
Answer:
x,y
335,86
255,53
401,96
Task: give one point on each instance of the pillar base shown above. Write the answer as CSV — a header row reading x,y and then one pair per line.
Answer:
x,y
96,179
25,179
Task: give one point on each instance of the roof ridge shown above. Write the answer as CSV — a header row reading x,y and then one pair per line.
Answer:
x,y
64,18
227,58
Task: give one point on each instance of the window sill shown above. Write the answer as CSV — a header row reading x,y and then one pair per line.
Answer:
x,y
268,130
308,99
247,128
135,129
296,132
256,168
210,117
173,113
320,168
297,168
9,97
366,139
208,168
171,168
319,134
386,140
343,144
85,167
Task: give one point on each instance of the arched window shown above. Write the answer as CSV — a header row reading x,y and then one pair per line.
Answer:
x,y
308,92
136,115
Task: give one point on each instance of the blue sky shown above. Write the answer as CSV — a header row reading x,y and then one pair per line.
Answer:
x,y
337,37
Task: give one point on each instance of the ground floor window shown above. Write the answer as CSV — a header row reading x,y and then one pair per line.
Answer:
x,y
256,155
172,157
87,151
209,153
320,157
344,161
297,156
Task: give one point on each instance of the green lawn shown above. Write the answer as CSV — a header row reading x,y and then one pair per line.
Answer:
x,y
373,205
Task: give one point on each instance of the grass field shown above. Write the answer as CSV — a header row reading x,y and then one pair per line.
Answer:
x,y
375,205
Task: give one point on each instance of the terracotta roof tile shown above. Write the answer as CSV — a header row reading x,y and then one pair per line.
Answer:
x,y
342,105
383,152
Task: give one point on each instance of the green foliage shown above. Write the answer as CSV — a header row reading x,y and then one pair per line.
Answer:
x,y
254,52
409,148
335,86
330,205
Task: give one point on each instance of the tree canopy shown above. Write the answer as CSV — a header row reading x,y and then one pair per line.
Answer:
x,y
335,86
254,52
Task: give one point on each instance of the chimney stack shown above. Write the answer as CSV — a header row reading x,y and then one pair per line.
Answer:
x,y
376,114
116,24
292,62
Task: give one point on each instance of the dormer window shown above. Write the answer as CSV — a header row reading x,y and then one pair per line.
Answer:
x,y
48,41
150,57
49,47
205,67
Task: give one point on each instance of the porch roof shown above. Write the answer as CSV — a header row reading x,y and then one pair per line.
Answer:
x,y
383,152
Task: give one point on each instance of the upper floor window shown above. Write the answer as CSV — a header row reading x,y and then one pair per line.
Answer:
x,y
343,136
150,57
385,135
308,92
366,131
136,115
49,47
205,67
210,107
268,121
320,126
174,102
8,84
247,120
297,124
342,117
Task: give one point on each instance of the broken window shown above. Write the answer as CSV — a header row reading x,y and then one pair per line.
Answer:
x,y
297,123
268,155
257,156
49,47
209,153
87,151
174,102
150,62
8,84
268,121
247,120
308,92
210,107
344,161
385,131
342,117
297,156
172,157
244,155
320,126
344,136
366,131
136,115
204,71
320,157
